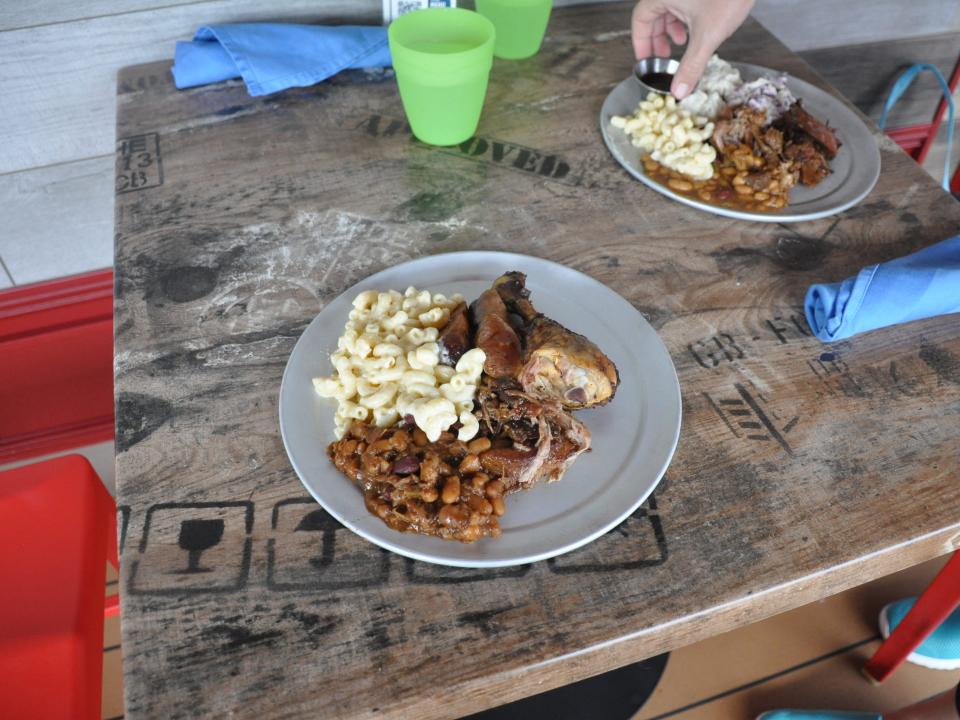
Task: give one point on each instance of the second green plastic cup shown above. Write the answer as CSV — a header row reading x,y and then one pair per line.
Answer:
x,y
442,58
520,25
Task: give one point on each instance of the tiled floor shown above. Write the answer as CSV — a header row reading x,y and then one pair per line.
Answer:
x,y
809,657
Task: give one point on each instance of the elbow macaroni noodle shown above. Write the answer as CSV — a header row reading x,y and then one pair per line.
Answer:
x,y
670,135
387,366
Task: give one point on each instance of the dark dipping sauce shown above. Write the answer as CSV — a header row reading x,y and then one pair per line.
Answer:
x,y
658,81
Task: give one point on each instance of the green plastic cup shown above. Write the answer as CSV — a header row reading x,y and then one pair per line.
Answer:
x,y
520,25
442,59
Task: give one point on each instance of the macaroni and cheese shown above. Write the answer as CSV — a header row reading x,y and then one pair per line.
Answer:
x,y
387,366
672,136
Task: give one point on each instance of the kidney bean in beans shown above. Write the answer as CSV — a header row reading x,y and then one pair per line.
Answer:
x,y
406,465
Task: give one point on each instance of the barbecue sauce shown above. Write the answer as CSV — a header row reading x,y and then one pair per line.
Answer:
x,y
658,81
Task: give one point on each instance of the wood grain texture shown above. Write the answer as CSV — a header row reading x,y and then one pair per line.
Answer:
x,y
19,15
837,466
824,23
43,201
61,64
865,73
63,75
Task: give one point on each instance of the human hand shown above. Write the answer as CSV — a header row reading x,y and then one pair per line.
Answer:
x,y
706,23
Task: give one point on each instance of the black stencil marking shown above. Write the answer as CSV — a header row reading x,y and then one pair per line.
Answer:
x,y
712,351
745,414
721,414
304,554
195,529
499,153
641,536
793,327
833,371
421,573
139,164
774,433
790,425
123,524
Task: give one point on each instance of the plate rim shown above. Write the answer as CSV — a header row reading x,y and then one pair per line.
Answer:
x,y
739,214
356,525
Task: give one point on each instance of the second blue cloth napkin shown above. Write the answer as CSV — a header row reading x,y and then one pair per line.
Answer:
x,y
275,56
921,285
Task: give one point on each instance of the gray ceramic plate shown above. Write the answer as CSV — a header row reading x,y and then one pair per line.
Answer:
x,y
633,437
855,169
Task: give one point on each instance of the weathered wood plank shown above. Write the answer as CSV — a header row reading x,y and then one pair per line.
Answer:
x,y
938,151
222,264
58,220
865,73
64,105
64,85
17,16
825,24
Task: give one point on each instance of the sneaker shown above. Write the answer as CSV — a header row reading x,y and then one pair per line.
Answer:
x,y
817,715
941,649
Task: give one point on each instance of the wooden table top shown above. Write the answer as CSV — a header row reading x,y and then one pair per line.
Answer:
x,y
802,469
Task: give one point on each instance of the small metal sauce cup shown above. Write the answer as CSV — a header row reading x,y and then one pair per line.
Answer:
x,y
654,65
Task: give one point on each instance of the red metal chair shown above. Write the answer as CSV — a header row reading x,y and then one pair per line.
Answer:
x,y
917,140
57,526
940,599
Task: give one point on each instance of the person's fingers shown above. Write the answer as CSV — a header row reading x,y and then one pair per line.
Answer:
x,y
661,46
693,63
676,29
645,13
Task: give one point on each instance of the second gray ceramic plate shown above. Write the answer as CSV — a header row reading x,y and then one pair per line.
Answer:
x,y
855,168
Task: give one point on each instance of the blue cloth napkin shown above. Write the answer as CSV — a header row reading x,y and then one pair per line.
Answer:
x,y
275,56
913,287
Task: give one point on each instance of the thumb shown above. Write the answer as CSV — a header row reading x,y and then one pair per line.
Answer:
x,y
692,65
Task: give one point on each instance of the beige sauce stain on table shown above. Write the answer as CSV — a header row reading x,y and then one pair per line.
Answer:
x,y
802,469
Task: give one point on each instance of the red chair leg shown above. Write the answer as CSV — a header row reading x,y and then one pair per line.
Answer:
x,y
112,556
940,599
111,606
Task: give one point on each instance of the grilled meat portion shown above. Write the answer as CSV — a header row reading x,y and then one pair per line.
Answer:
x,y
737,125
534,440
810,160
455,339
558,365
495,336
797,118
